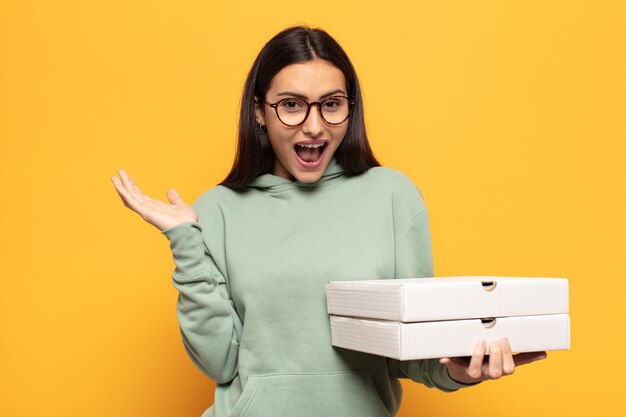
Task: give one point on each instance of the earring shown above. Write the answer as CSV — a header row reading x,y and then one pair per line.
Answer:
x,y
261,127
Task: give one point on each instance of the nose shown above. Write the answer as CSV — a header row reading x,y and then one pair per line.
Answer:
x,y
313,126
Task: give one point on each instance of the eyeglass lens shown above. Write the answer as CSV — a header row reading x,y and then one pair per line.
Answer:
x,y
293,111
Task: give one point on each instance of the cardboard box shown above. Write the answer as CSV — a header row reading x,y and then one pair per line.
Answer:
x,y
447,298
449,338
420,318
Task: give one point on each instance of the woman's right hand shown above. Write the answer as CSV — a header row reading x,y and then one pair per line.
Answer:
x,y
158,213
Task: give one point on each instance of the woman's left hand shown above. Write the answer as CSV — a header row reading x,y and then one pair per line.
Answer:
x,y
499,362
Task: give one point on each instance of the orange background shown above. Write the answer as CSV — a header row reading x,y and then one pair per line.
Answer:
x,y
509,116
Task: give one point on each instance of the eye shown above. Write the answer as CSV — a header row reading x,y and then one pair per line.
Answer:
x,y
332,103
292,105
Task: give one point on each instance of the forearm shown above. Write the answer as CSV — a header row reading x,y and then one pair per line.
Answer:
x,y
209,324
425,371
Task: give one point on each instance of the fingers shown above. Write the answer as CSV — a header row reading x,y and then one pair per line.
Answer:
x,y
501,361
122,191
125,190
459,362
118,185
138,194
508,364
475,369
495,360
445,361
132,189
174,197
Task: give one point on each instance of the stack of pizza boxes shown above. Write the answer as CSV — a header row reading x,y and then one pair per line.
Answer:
x,y
419,318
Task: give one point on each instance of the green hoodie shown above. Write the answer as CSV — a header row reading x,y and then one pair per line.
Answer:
x,y
251,278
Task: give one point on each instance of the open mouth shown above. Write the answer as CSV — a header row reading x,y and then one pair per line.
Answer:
x,y
310,153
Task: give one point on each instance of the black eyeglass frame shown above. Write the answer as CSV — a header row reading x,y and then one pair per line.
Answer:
x,y
308,109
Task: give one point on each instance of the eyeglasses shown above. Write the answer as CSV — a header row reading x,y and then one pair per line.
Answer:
x,y
294,111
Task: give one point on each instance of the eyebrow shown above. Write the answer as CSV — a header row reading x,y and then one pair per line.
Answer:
x,y
292,94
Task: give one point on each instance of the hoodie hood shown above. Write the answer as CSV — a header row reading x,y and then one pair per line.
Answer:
x,y
271,182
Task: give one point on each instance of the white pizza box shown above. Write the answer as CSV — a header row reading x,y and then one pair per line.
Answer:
x,y
449,338
447,298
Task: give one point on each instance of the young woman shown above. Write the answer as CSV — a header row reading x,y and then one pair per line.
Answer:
x,y
305,203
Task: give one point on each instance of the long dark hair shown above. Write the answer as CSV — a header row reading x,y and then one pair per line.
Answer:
x,y
295,45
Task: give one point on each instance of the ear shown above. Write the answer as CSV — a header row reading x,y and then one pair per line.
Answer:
x,y
259,113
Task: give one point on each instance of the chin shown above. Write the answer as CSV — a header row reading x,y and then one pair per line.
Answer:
x,y
309,177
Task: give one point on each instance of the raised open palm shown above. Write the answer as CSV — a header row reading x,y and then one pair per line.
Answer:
x,y
160,214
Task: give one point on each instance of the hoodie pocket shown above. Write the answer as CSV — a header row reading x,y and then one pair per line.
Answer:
x,y
336,394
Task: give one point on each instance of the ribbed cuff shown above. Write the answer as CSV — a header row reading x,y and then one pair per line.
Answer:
x,y
449,384
187,248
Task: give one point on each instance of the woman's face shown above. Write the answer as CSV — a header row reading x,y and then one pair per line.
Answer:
x,y
313,80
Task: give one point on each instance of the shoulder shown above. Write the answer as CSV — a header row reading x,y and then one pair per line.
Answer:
x,y
407,197
214,197
394,179
389,175
210,206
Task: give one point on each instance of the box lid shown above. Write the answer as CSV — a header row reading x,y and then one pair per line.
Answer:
x,y
447,298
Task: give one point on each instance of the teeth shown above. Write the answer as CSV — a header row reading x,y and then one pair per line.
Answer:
x,y
312,146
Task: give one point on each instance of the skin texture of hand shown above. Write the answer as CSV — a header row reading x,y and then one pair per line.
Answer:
x,y
158,213
500,362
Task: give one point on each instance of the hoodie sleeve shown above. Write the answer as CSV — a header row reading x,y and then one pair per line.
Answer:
x,y
209,323
413,251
